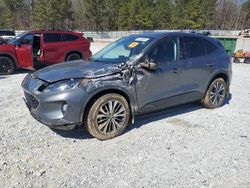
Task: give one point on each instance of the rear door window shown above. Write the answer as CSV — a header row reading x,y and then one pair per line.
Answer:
x,y
52,37
69,37
191,47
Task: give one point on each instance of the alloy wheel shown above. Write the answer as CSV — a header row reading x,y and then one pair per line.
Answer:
x,y
5,66
111,117
217,93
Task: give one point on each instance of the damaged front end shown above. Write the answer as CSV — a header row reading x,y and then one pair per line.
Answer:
x,y
62,102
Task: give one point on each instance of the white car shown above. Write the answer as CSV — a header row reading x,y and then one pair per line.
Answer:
x,y
7,34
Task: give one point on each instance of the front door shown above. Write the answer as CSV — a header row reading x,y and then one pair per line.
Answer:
x,y
24,51
156,89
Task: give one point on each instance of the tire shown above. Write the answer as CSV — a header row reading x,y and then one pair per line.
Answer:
x,y
100,121
7,66
236,60
216,94
247,61
73,57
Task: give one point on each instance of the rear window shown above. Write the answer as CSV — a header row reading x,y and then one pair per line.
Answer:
x,y
52,37
7,33
191,47
70,37
210,47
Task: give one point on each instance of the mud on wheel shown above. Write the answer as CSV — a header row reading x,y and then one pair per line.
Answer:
x,y
108,116
7,66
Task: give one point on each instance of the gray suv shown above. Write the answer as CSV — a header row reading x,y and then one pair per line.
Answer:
x,y
136,74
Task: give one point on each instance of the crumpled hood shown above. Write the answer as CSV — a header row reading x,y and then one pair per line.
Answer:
x,y
75,69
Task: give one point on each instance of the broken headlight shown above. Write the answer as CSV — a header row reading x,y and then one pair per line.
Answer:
x,y
66,84
62,85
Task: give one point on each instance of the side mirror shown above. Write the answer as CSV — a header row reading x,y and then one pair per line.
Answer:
x,y
149,64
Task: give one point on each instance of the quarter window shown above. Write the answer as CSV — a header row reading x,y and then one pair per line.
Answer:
x,y
52,37
210,47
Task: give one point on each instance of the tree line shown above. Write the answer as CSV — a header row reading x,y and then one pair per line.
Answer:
x,y
104,15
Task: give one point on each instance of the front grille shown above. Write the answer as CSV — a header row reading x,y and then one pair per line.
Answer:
x,y
31,100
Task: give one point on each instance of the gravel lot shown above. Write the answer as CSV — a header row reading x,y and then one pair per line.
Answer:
x,y
186,146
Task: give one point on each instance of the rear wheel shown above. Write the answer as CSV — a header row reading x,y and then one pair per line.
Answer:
x,y
73,57
247,61
7,66
216,94
108,116
236,60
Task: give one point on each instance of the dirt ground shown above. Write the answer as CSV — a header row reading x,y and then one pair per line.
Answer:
x,y
185,146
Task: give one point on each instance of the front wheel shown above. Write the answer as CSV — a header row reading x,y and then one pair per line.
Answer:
x,y
216,94
108,116
7,66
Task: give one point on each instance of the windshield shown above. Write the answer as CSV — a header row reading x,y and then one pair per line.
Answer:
x,y
16,39
121,50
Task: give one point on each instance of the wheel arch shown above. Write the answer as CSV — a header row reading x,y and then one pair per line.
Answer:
x,y
222,75
72,52
129,98
11,57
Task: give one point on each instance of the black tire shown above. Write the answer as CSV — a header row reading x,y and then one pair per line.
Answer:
x,y
236,60
73,57
103,123
7,66
247,61
216,94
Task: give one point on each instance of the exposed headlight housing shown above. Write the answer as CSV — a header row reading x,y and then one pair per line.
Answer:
x,y
62,85
66,84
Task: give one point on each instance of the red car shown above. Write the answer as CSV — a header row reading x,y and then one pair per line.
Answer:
x,y
36,49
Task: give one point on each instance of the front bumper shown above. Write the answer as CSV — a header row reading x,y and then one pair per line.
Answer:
x,y
55,109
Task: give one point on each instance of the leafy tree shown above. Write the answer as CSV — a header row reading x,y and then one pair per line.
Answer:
x,y
179,14
50,14
124,16
208,8
140,15
194,18
112,13
12,10
95,12
162,14
246,9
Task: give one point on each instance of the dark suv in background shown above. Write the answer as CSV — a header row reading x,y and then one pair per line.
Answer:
x,y
136,74
7,34
37,49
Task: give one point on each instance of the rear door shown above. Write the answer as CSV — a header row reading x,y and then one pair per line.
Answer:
x,y
53,48
24,51
197,65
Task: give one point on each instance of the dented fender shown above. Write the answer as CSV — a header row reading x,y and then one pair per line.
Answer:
x,y
121,83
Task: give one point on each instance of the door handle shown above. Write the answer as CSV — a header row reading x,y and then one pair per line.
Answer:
x,y
211,64
176,70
